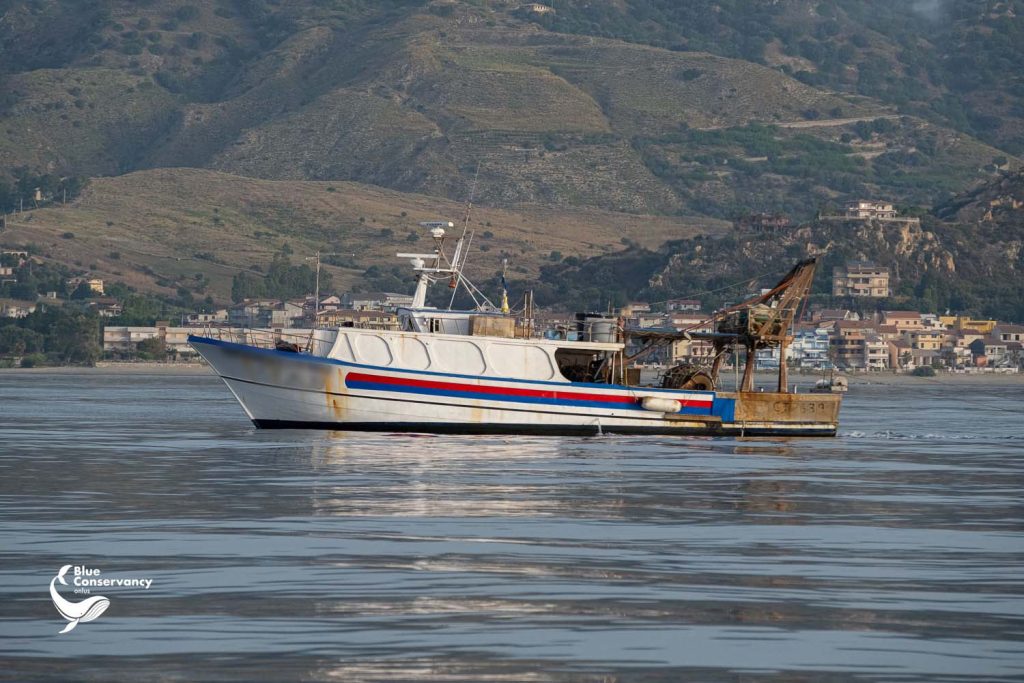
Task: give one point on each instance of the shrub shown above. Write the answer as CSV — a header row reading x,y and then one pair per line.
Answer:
x,y
33,360
923,371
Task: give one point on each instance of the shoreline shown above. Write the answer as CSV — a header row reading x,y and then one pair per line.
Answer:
x,y
101,368
762,379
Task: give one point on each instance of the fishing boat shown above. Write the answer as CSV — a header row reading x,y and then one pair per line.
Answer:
x,y
485,370
833,384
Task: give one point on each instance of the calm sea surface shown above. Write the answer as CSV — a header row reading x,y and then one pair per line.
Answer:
x,y
892,553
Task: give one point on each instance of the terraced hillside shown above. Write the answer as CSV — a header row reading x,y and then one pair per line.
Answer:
x,y
596,116
957,62
426,97
163,229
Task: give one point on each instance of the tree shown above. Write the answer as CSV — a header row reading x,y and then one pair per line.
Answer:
x,y
139,309
82,291
154,348
17,341
283,281
74,338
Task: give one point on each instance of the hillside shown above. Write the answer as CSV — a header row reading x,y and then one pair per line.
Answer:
x,y
424,97
216,127
967,255
958,62
163,229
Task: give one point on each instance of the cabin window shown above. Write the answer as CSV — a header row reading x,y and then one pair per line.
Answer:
x,y
578,365
433,325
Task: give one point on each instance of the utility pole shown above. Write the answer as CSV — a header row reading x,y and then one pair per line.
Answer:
x,y
316,295
316,289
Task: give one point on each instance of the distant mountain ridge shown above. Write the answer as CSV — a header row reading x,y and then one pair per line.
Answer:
x,y
690,113
426,96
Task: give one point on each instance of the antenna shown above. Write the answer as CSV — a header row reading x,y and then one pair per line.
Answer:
x,y
459,252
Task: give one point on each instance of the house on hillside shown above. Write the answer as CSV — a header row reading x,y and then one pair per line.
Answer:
x,y
375,301
827,315
634,309
374,319
682,305
965,322
218,317
95,284
904,321
105,307
537,8
16,310
869,210
14,257
1009,333
861,279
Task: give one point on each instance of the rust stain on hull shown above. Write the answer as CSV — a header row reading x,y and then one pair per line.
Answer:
x,y
774,407
334,390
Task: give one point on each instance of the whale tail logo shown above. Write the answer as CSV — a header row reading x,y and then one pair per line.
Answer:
x,y
85,611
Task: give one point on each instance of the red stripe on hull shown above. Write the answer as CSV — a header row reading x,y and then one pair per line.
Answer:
x,y
509,391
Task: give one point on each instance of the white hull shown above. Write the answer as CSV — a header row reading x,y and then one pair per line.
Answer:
x,y
295,390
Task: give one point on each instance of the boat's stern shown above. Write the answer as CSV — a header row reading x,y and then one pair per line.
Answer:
x,y
779,414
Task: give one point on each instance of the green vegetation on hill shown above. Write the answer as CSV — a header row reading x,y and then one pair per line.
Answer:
x,y
958,61
21,191
181,232
51,335
431,97
730,171
282,281
609,120
972,264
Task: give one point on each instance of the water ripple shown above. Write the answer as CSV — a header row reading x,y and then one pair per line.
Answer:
x,y
890,553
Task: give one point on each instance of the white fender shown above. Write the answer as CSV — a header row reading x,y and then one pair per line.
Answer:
x,y
660,405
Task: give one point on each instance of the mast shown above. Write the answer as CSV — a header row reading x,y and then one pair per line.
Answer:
x,y
437,266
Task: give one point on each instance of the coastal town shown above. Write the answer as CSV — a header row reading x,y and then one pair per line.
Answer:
x,y
829,338
825,338
852,330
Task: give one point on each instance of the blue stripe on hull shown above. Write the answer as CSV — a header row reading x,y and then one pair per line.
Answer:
x,y
425,391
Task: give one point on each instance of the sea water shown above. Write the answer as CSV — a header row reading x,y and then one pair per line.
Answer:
x,y
894,552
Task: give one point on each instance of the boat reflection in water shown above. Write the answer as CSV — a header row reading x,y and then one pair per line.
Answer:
x,y
437,477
